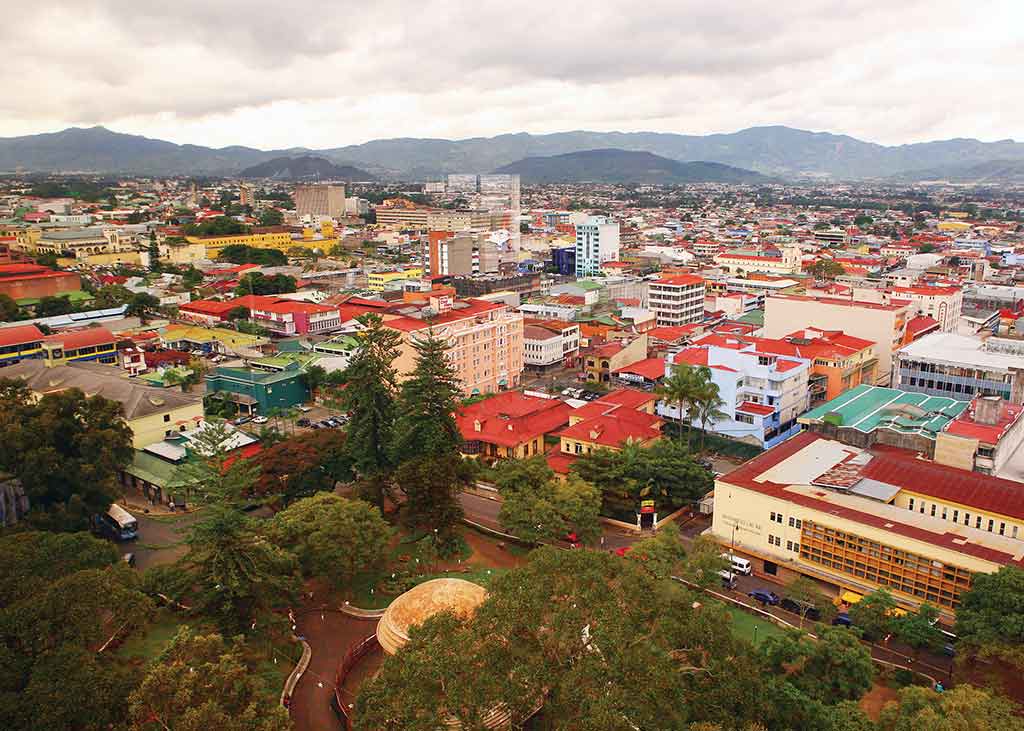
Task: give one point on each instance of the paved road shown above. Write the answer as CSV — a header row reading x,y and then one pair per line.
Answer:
x,y
160,539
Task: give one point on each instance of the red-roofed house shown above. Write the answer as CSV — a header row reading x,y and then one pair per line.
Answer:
x,y
510,425
602,360
648,372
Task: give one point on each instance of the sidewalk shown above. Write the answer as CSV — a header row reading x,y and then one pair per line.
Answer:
x,y
139,504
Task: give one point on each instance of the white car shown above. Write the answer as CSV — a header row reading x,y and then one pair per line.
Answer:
x,y
260,420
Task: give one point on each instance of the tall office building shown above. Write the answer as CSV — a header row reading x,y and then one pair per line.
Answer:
x,y
320,200
246,196
597,241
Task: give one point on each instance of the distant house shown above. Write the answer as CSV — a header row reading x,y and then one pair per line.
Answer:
x,y
259,392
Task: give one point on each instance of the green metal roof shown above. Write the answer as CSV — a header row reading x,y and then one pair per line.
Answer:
x,y
153,469
754,317
866,408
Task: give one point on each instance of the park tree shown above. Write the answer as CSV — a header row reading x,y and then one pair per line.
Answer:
x,y
259,283
302,466
990,618
141,305
919,629
370,385
702,562
427,401
271,217
514,475
202,682
431,486
238,313
550,510
873,614
234,573
808,597
51,306
332,536
66,448
963,707
567,630
111,295
31,560
243,254
662,555
835,668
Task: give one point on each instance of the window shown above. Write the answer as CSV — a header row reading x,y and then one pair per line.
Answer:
x,y
1002,529
933,510
956,516
943,512
911,505
967,518
991,525
776,517
167,417
794,522
977,522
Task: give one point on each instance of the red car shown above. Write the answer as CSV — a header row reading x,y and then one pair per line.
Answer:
x,y
623,550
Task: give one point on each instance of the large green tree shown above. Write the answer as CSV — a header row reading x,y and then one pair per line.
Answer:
x,y
302,466
66,448
332,536
550,510
836,667
425,424
31,560
215,473
202,682
874,614
990,619
431,486
964,708
9,310
370,385
232,572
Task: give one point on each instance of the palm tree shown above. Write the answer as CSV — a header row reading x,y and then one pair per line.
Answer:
x,y
707,403
679,390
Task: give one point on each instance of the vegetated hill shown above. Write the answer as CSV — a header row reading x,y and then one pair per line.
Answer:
x,y
990,171
307,167
97,149
776,151
625,166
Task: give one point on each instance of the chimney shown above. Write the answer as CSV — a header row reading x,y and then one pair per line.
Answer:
x,y
988,410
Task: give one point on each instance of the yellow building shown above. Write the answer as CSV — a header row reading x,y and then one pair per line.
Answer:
x,y
376,281
863,520
151,413
953,226
271,239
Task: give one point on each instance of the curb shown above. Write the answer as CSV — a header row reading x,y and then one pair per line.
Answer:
x,y
297,672
360,613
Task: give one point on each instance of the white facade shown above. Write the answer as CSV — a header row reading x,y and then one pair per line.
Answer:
x,y
597,241
677,300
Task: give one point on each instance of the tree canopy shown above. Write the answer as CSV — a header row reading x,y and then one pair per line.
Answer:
x,y
427,401
66,448
990,619
243,254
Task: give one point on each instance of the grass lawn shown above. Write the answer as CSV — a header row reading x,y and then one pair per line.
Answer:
x,y
753,629
149,641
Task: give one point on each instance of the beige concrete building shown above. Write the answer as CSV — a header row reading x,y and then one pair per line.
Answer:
x,y
319,200
868,519
884,325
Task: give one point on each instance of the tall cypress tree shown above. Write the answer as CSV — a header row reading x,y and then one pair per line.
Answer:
x,y
426,426
369,396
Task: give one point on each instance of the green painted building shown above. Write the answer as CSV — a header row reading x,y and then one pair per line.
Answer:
x,y
260,391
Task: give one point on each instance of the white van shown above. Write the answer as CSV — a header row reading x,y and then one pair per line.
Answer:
x,y
739,565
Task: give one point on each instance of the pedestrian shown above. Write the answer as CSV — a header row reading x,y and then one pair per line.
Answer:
x,y
171,505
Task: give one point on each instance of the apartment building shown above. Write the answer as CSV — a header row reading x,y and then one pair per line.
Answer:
x,y
485,341
378,281
597,241
549,344
942,304
961,367
677,300
319,200
865,519
763,393
883,325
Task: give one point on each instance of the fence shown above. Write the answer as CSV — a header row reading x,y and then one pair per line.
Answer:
x,y
352,657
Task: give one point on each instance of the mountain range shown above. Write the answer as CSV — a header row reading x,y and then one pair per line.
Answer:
x,y
304,167
775,151
625,166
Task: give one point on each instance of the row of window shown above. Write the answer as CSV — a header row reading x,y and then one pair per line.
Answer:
x,y
980,522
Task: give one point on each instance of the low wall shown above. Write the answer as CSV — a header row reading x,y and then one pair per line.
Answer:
x,y
352,657
296,674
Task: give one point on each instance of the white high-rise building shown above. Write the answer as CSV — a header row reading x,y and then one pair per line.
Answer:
x,y
597,241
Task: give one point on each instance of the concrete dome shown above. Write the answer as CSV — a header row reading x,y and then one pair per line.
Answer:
x,y
422,602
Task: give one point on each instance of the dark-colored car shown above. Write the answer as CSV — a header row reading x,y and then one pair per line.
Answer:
x,y
764,596
303,422
842,620
242,420
809,611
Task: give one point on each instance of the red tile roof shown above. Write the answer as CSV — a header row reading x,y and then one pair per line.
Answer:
x,y
511,418
749,407
650,368
680,280
19,335
84,338
966,425
613,430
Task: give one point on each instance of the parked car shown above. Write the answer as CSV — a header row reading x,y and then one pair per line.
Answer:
x,y
302,422
260,419
242,420
305,409
809,611
573,540
315,425
766,597
332,421
623,550
728,579
842,620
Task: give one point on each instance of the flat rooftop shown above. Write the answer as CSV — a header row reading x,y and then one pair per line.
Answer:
x,y
996,354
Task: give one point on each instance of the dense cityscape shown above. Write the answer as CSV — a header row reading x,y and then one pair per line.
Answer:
x,y
447,365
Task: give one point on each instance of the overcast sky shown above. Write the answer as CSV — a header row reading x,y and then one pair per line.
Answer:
x,y
326,74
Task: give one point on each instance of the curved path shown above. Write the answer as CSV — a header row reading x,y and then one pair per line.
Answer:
x,y
330,633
